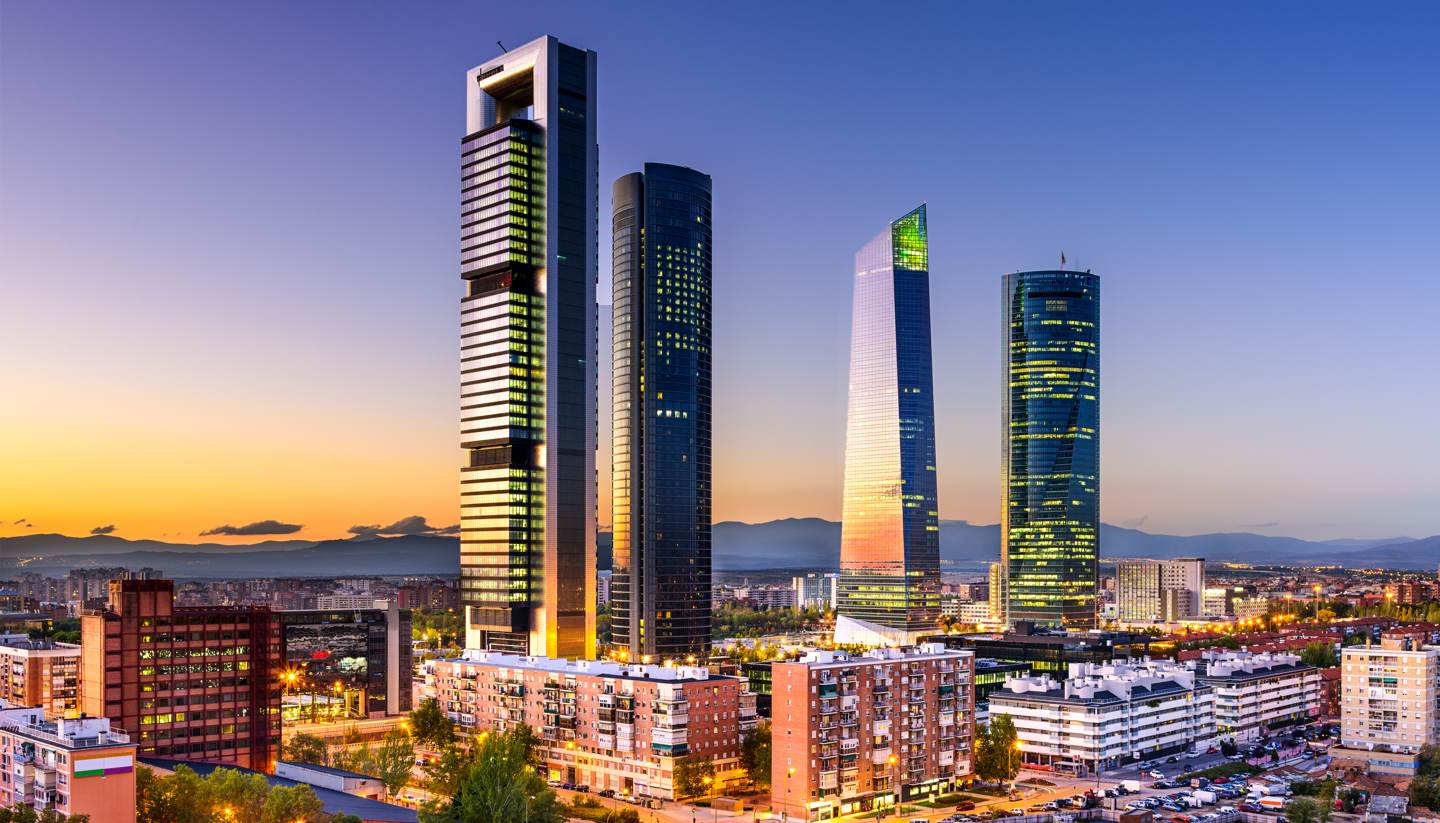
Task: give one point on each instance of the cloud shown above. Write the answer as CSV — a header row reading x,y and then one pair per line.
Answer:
x,y
252,529
103,529
414,524
1257,525
1136,522
22,521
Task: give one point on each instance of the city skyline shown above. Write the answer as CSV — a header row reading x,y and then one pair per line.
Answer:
x,y
224,390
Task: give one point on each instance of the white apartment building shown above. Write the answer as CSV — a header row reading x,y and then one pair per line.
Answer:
x,y
1103,716
815,590
1258,692
1388,695
1159,590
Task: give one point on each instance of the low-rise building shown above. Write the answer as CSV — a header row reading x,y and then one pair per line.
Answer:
x,y
77,766
604,725
1258,692
40,673
853,733
1103,716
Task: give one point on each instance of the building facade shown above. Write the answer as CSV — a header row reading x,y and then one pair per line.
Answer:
x,y
529,203
1153,591
1050,454
660,442
363,657
1388,696
604,725
864,732
890,530
1255,693
40,673
815,590
189,683
77,766
1101,717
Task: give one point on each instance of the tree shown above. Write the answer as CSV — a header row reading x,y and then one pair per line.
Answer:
x,y
1228,747
391,761
499,786
430,725
286,804
1319,654
997,750
443,774
21,813
306,748
755,755
1304,810
692,775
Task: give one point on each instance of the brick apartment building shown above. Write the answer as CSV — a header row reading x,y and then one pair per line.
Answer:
x,y
40,673
188,683
852,733
605,725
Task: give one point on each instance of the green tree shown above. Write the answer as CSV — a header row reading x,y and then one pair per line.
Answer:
x,y
1320,654
755,755
692,775
1304,810
997,750
306,748
286,804
430,725
443,774
499,786
526,738
391,761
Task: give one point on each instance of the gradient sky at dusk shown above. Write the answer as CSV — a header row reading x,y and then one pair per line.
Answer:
x,y
228,246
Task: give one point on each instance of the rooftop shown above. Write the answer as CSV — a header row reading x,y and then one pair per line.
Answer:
x,y
594,668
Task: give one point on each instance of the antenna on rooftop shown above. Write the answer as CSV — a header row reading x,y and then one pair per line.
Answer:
x,y
502,46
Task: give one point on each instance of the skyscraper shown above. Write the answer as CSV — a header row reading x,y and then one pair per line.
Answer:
x,y
1050,454
660,591
890,535
529,205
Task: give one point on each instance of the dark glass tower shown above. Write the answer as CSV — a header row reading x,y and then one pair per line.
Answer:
x,y
529,205
890,536
660,591
1051,450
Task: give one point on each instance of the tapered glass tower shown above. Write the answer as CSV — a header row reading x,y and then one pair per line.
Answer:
x,y
528,215
890,536
660,592
1051,451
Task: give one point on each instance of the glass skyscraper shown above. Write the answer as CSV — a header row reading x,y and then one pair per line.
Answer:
x,y
529,204
890,535
1051,452
660,590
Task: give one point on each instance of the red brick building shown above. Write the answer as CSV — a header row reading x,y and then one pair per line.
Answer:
x,y
187,683
853,733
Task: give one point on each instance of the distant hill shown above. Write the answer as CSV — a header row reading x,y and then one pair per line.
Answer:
x,y
794,543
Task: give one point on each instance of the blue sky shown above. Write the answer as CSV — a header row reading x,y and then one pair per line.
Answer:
x,y
228,245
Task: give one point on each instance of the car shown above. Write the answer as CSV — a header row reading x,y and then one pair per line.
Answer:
x,y
569,787
554,784
1157,774
606,793
582,788
964,806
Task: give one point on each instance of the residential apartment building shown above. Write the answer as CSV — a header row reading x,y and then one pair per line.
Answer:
x,y
1250,608
852,733
40,673
1160,590
1103,716
1388,695
1258,692
77,766
190,683
604,725
815,590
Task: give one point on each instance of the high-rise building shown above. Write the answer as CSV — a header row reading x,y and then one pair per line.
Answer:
x,y
890,534
529,204
857,733
355,662
997,591
1050,455
1160,590
194,683
660,590
1388,706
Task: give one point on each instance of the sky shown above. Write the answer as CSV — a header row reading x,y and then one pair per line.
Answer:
x,y
229,247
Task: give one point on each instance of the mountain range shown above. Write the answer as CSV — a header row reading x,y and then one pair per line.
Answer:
x,y
798,543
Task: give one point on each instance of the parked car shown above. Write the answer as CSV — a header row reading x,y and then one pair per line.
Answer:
x,y
1157,774
964,806
606,793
